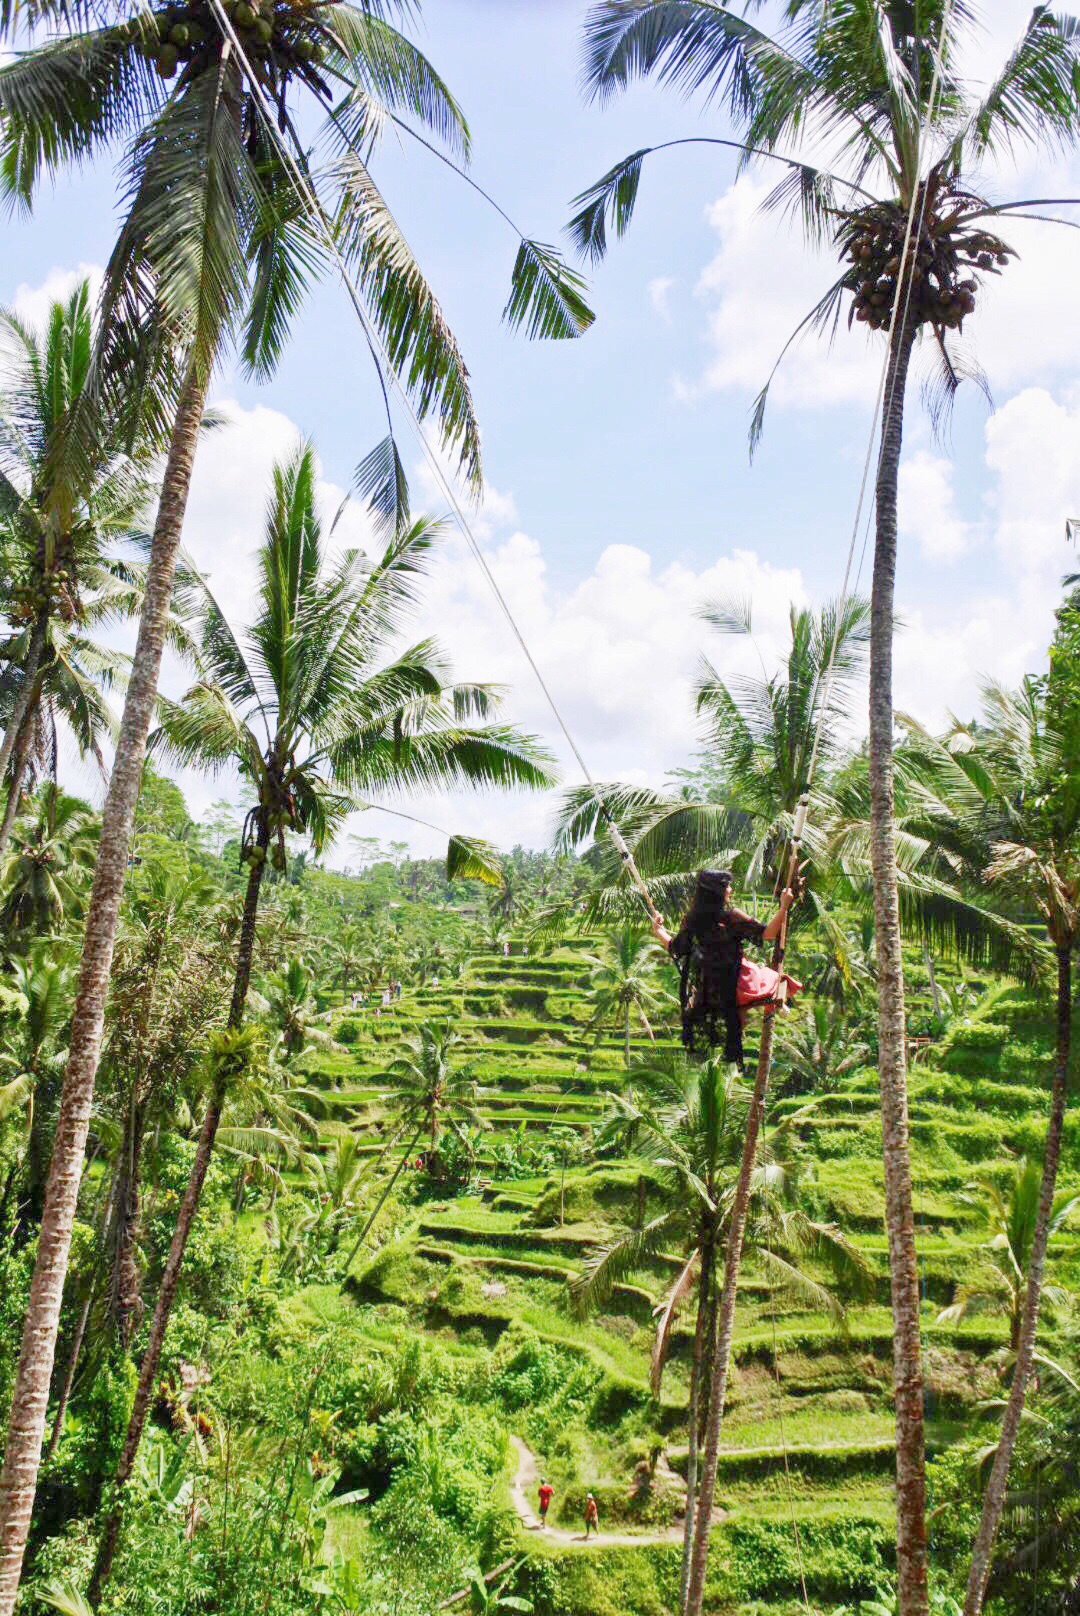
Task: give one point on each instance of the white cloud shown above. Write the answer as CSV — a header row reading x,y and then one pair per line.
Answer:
x,y
618,647
1033,447
658,290
928,508
1001,625
758,288
32,303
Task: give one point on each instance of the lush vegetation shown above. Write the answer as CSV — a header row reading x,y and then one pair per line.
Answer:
x,y
460,1194
338,1206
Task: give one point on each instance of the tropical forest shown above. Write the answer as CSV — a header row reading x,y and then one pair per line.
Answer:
x,y
537,1073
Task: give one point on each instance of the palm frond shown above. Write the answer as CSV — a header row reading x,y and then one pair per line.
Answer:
x,y
547,297
387,69
614,194
418,341
611,1265
1033,99
666,1314
382,485
470,859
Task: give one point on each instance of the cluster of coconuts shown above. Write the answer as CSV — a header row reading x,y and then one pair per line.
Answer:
x,y
254,856
182,31
940,265
48,585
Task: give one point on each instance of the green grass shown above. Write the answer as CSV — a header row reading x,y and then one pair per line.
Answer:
x,y
485,1271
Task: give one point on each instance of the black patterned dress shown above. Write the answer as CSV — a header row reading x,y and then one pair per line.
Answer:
x,y
709,965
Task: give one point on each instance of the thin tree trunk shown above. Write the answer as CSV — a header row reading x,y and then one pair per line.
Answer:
x,y
935,994
911,1551
626,1038
125,1283
721,1354
365,1231
151,1358
18,774
994,1497
73,1364
18,1478
701,1332
80,1329
170,1277
23,700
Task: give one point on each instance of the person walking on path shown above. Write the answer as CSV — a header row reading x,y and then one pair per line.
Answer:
x,y
547,1493
592,1516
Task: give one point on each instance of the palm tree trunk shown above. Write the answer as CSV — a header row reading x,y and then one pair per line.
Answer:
x,y
18,1478
720,1354
935,993
702,1331
626,1038
365,1231
170,1277
18,773
911,1552
73,1364
994,1497
125,1281
21,707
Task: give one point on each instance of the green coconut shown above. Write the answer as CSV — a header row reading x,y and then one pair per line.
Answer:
x,y
168,60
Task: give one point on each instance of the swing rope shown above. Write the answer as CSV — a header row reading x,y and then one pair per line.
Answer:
x,y
388,373
260,97
740,1206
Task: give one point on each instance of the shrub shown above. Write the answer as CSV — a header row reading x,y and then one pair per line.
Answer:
x,y
348,1032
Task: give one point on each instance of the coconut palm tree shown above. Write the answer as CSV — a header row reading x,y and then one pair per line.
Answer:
x,y
822,1046
219,241
758,736
898,202
350,952
292,1005
624,985
429,1089
70,509
34,1060
430,1093
1002,804
690,1121
310,706
1009,1216
45,874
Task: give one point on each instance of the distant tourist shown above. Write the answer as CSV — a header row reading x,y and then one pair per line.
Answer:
x,y
592,1516
506,950
547,1493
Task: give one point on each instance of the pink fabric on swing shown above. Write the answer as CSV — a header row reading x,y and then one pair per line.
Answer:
x,y
758,983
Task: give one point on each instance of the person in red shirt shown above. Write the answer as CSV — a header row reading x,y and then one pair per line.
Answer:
x,y
547,1493
592,1517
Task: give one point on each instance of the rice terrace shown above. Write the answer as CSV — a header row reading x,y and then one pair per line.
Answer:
x,y
539,808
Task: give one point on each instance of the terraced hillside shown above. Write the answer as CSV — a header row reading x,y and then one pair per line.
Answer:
x,y
808,1442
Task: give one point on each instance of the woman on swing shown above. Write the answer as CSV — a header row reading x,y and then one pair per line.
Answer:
x,y
716,984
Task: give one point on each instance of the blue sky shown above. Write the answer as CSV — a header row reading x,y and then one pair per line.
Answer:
x,y
620,491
